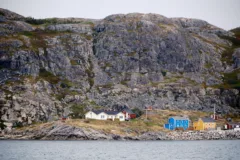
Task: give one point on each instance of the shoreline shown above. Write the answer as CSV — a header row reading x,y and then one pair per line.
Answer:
x,y
67,132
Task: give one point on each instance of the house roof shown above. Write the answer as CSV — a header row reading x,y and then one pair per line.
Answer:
x,y
180,118
107,112
208,120
234,123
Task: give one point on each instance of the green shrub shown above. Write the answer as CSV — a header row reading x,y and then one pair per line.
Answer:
x,y
227,54
164,73
2,14
66,84
34,21
2,126
18,124
131,54
137,111
124,83
60,96
27,33
109,85
236,31
78,110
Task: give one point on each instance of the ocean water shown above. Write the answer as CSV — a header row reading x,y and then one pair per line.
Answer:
x,y
120,150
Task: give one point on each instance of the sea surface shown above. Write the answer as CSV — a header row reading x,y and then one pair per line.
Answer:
x,y
119,150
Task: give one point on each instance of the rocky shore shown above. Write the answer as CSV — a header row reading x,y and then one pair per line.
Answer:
x,y
66,132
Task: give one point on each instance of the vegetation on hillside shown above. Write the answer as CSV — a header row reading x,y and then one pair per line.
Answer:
x,y
154,122
34,21
49,21
48,76
230,80
78,111
236,31
2,126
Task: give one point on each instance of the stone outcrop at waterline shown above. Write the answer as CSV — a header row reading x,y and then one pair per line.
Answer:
x,y
66,132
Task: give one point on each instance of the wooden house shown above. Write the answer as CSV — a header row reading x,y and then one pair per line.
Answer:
x,y
105,115
204,124
177,122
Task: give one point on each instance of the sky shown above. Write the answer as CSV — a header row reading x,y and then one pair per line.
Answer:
x,y
221,13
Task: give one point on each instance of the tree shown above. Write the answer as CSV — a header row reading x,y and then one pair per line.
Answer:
x,y
2,126
78,110
137,111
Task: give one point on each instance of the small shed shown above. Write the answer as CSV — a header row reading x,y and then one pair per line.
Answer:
x,y
129,114
232,125
64,118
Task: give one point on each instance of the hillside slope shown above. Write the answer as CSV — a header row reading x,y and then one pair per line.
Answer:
x,y
48,65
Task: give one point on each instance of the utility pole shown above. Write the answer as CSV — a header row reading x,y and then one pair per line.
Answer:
x,y
146,113
214,112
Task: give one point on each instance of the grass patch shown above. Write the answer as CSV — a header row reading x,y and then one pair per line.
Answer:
x,y
89,23
48,76
125,83
131,54
134,127
74,62
208,65
66,84
216,45
109,85
34,21
87,36
37,38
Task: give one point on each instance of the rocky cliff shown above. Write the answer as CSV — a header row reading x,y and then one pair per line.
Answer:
x,y
47,65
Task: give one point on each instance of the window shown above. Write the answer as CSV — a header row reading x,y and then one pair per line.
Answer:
x,y
102,116
120,117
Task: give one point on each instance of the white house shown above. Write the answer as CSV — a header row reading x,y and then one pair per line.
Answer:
x,y
105,115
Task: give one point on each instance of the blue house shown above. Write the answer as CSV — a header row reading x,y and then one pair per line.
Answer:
x,y
177,122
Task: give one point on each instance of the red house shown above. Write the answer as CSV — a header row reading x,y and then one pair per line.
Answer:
x,y
232,125
129,114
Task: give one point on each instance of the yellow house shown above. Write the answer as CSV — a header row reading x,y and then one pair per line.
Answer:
x,y
204,124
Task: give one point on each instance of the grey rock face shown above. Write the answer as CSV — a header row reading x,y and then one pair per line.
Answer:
x,y
236,59
10,15
78,28
133,59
